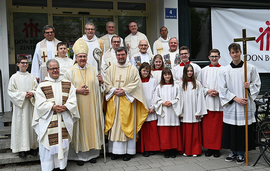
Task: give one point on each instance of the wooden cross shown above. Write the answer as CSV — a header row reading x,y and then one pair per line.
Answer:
x,y
44,56
244,39
120,76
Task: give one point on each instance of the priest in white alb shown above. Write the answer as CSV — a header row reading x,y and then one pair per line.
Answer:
x,y
126,106
89,85
54,117
184,56
133,39
212,123
45,50
162,43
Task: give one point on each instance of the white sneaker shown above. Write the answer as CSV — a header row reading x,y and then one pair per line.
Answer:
x,y
184,154
194,155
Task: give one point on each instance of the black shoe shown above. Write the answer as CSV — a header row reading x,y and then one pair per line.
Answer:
x,y
33,152
209,153
173,153
114,156
231,157
152,153
80,163
93,160
167,154
216,153
240,159
146,154
22,154
127,157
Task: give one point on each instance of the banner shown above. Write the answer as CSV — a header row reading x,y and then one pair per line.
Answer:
x,y
227,24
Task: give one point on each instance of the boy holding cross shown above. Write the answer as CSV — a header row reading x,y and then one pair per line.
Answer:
x,y
231,93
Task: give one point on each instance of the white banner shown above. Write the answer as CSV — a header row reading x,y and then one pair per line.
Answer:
x,y
227,24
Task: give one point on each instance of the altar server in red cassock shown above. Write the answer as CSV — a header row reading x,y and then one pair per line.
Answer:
x,y
149,139
193,110
168,106
212,123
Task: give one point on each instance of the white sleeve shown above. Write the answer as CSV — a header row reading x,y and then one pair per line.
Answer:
x,y
155,48
36,62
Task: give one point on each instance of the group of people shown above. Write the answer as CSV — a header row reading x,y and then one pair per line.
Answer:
x,y
142,102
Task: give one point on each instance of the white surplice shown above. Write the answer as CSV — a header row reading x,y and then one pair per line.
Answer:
x,y
231,85
23,137
168,116
178,71
157,75
64,64
193,103
209,80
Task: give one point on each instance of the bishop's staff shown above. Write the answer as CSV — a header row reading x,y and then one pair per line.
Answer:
x,y
244,39
97,56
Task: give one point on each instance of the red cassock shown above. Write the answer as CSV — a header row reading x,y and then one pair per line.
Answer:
x,y
149,138
170,138
192,138
212,125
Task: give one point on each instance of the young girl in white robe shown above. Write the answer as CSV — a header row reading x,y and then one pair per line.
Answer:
x,y
168,106
149,139
157,67
193,109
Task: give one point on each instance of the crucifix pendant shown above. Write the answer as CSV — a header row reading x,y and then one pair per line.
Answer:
x,y
85,87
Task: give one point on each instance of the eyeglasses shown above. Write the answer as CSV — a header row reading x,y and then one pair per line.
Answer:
x,y
183,54
116,41
49,32
24,63
143,45
214,56
121,54
89,29
52,69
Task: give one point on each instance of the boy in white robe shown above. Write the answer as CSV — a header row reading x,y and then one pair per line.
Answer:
x,y
64,62
231,92
213,121
21,88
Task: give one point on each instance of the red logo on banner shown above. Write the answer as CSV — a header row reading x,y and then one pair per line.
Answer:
x,y
33,28
261,37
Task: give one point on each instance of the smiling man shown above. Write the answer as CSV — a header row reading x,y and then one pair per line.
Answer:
x,y
133,39
142,56
110,27
126,106
162,43
45,50
171,56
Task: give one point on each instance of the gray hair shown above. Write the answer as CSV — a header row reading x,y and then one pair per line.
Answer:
x,y
109,22
173,38
89,23
121,48
116,37
51,60
132,22
47,27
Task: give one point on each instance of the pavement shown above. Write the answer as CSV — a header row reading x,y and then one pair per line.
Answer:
x,y
157,162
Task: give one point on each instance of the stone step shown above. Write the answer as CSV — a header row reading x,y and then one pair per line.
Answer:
x,y
6,130
4,144
7,117
9,158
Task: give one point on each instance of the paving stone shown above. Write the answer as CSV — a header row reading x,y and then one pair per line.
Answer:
x,y
131,168
144,166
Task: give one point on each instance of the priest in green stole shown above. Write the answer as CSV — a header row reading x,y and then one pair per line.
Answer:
x,y
126,106
89,85
54,115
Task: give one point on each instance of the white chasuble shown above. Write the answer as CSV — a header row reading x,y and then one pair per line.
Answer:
x,y
91,122
231,85
168,116
23,137
209,80
193,102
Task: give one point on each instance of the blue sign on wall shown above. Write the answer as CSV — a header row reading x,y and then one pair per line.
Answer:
x,y
170,13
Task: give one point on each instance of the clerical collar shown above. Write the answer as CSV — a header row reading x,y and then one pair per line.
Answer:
x,y
237,66
183,64
160,69
145,79
81,67
218,65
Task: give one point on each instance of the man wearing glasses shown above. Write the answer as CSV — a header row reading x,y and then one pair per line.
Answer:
x,y
45,50
142,55
162,43
110,27
184,56
92,42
